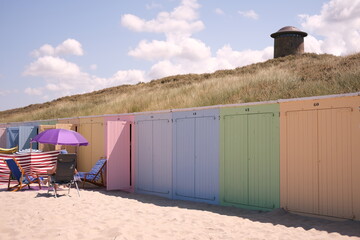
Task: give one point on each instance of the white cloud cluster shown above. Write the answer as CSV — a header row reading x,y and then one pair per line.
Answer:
x,y
228,58
68,47
185,48
339,25
127,77
6,92
182,21
33,91
66,78
93,67
219,11
180,53
53,67
249,14
225,58
153,5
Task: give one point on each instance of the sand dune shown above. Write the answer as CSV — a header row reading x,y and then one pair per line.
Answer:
x,y
98,214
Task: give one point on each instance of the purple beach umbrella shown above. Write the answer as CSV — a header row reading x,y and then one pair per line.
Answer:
x,y
61,137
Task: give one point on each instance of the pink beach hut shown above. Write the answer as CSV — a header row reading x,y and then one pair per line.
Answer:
x,y
119,148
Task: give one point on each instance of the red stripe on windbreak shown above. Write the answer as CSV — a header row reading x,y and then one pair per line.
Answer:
x,y
31,163
43,156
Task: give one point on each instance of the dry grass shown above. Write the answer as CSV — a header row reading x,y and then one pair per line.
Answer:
x,y
289,77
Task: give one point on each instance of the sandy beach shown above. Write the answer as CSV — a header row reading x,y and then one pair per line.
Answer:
x,y
100,214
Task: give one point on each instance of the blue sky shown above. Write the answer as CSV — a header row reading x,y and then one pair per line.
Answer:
x,y
50,49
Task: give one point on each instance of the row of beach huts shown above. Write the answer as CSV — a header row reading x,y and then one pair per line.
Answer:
x,y
302,154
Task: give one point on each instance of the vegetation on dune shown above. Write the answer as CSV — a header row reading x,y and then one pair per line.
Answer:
x,y
281,78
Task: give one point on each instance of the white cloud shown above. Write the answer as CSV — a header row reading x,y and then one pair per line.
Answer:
x,y
339,25
44,50
127,77
228,58
53,87
155,50
163,69
194,49
249,14
187,48
53,67
133,22
68,47
179,46
219,11
66,78
60,75
93,67
181,21
180,53
33,91
4,92
313,45
153,5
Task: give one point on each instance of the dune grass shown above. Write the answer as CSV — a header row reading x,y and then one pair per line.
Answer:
x,y
281,78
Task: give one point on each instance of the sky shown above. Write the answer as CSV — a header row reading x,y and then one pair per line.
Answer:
x,y
50,49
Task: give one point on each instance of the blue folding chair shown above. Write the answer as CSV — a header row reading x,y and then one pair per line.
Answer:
x,y
96,175
18,173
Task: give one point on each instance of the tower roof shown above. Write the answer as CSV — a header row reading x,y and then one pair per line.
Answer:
x,y
288,29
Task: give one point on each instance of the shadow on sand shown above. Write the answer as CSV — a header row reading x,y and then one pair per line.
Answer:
x,y
61,193
275,217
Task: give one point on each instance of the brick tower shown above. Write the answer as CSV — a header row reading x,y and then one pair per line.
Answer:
x,y
288,41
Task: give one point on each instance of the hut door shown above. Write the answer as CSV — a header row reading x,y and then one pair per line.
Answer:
x,y
25,133
153,165
97,142
46,147
118,155
206,158
303,183
84,162
2,137
68,126
160,156
12,137
261,164
250,160
319,162
185,151
235,160
145,156
335,194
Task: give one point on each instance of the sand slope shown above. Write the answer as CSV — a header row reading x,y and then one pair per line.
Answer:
x,y
98,214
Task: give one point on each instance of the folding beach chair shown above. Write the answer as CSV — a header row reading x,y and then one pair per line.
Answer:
x,y
64,173
18,173
96,175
